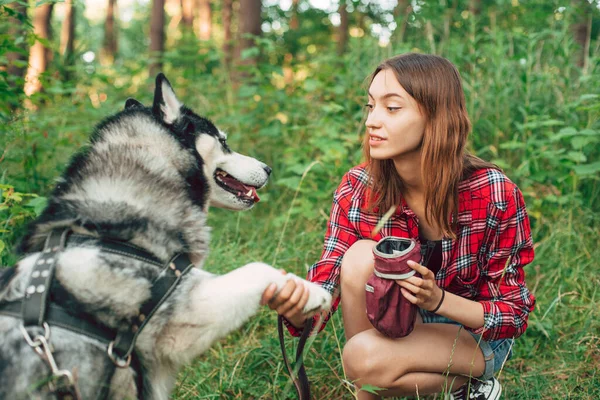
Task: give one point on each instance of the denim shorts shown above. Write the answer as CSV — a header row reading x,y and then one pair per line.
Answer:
x,y
495,352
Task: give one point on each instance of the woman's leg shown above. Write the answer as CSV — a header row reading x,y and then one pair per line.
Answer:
x,y
431,358
357,267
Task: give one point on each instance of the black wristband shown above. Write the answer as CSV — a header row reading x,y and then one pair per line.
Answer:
x,y
440,303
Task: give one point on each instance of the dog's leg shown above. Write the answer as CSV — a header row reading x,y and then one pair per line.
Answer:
x,y
239,292
219,304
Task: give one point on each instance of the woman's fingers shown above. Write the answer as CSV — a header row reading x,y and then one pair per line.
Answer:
x,y
295,308
283,295
409,296
293,300
268,294
424,271
409,286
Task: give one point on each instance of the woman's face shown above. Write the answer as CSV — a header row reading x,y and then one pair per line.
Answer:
x,y
395,125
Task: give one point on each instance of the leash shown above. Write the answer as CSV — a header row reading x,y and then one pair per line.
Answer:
x,y
37,313
301,381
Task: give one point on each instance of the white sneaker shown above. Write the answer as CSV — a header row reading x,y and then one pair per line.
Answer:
x,y
479,390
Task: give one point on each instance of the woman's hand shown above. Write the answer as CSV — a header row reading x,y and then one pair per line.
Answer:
x,y
423,292
289,302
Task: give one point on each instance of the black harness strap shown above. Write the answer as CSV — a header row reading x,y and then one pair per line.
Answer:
x,y
58,316
38,289
162,288
118,248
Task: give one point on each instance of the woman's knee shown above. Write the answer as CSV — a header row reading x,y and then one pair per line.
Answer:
x,y
360,358
357,264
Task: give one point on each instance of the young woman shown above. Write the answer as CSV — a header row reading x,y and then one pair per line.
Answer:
x,y
474,218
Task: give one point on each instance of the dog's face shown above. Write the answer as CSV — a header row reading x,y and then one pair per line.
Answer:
x,y
232,177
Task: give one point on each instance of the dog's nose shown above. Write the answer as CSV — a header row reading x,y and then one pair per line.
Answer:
x,y
267,169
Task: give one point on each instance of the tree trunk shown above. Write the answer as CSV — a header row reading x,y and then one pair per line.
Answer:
x,y
226,13
582,33
17,60
475,11
110,46
205,19
187,14
157,36
67,36
401,13
249,24
475,7
343,28
294,23
39,55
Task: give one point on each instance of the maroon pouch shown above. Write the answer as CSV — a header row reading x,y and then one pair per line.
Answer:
x,y
387,309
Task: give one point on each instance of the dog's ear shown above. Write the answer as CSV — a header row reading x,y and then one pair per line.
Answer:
x,y
131,102
166,106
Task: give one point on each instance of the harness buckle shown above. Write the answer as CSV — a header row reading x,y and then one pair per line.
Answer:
x,y
118,361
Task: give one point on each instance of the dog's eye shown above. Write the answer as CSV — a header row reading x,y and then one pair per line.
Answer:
x,y
223,142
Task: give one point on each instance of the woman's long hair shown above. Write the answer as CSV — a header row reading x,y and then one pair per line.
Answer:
x,y
435,85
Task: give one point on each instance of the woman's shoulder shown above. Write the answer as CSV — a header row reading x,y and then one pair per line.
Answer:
x,y
354,182
490,184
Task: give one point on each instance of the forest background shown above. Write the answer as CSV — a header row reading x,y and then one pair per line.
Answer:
x,y
286,80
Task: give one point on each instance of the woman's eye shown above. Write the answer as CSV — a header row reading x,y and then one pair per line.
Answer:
x,y
392,109
369,106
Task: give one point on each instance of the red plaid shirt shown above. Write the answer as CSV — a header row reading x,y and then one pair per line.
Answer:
x,y
485,263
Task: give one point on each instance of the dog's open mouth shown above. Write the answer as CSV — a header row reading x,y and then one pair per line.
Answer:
x,y
242,191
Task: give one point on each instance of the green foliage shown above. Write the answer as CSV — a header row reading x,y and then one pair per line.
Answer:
x,y
11,85
16,209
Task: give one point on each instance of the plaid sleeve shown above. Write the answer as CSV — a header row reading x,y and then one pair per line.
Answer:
x,y
507,301
339,237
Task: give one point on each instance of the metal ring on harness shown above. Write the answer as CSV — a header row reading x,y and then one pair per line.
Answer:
x,y
35,342
119,362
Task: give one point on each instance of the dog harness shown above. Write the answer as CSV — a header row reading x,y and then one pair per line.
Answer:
x,y
39,315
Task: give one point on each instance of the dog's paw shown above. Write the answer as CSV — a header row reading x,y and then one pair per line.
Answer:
x,y
319,299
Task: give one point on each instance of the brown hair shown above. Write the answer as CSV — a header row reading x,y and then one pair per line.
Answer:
x,y
435,85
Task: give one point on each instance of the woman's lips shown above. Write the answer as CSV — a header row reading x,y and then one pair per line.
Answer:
x,y
375,140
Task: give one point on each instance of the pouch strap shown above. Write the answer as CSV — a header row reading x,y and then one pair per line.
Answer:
x,y
38,288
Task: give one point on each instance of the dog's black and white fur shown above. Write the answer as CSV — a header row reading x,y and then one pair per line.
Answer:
x,y
147,178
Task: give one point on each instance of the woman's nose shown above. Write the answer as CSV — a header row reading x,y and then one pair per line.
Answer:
x,y
373,121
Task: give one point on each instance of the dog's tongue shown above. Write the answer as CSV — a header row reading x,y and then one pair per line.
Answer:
x,y
248,191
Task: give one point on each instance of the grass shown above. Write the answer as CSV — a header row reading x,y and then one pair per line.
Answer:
x,y
557,358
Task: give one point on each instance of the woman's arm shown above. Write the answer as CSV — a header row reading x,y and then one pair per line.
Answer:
x,y
339,237
505,298
503,302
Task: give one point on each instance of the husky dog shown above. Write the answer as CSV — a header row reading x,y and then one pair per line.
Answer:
x,y
147,178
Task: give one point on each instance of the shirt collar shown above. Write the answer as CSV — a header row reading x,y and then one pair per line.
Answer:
x,y
464,205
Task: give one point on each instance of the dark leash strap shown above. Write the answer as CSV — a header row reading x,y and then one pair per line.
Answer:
x,y
301,381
